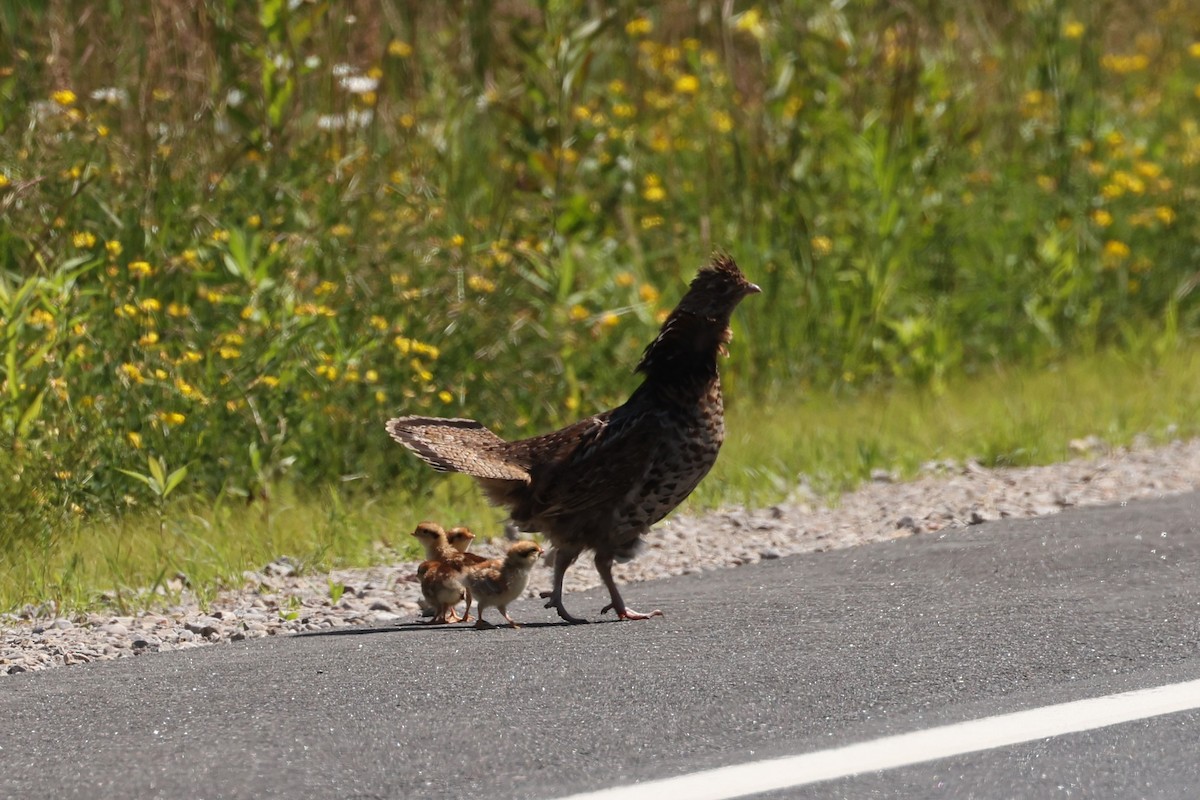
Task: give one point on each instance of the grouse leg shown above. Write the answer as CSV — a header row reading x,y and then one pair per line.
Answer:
x,y
563,558
604,567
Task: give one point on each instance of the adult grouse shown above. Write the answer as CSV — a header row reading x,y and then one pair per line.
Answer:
x,y
600,483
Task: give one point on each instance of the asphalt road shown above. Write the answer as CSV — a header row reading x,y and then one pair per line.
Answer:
x,y
779,658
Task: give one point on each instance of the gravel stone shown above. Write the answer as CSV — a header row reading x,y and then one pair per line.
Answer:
x,y
281,599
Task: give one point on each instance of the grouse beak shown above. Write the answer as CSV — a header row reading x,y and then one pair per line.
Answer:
x,y
752,288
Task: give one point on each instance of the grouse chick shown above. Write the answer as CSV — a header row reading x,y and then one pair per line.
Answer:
x,y
460,539
440,574
497,582
600,483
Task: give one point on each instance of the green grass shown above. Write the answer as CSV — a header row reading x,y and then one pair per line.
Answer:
x,y
239,235
1006,417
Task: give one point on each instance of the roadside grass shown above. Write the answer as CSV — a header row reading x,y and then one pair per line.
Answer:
x,y
1001,417
238,236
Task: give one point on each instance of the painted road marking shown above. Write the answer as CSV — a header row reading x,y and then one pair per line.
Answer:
x,y
904,749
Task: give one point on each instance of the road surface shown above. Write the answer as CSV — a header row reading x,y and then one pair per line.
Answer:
x,y
778,659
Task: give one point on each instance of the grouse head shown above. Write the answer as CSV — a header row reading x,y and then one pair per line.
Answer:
x,y
716,290
698,329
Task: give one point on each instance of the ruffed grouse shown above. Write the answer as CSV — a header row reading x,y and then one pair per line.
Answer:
x,y
600,483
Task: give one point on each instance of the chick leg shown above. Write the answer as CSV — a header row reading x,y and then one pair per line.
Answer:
x,y
466,617
604,567
480,623
563,558
504,613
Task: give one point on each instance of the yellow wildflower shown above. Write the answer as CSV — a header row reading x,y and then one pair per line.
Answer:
x,y
687,84
191,357
132,373
141,269
161,374
148,339
1102,218
417,367
177,310
1073,30
639,26
652,221
40,317
648,293
1116,250
578,313
422,349
172,418
751,22
722,122
186,389
324,288
254,221
341,230
821,245
457,240
229,352
1123,65
1148,169
399,49
150,304
270,381
609,319
371,376
64,97
1165,214
84,240
3,180
445,396
625,279
113,247
135,439
478,283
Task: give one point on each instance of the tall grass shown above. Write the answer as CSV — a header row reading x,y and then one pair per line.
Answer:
x,y
238,236
1003,417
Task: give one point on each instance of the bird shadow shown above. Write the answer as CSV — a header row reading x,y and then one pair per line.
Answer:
x,y
424,627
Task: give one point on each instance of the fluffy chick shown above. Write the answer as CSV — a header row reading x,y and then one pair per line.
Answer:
x,y
460,539
497,582
441,573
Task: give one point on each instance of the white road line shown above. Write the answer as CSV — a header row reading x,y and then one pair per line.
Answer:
x,y
913,748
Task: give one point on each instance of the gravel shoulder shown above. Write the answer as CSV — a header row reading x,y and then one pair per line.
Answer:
x,y
275,601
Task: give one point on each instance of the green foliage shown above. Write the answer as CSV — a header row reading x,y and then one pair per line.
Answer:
x,y
239,236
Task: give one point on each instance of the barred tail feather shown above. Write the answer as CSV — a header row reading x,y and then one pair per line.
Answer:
x,y
456,445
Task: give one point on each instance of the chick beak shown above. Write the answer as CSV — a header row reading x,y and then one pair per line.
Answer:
x,y
752,288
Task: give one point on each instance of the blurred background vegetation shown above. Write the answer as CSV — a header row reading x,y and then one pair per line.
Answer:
x,y
235,237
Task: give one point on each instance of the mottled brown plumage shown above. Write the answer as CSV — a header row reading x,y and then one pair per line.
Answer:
x,y
498,581
600,483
